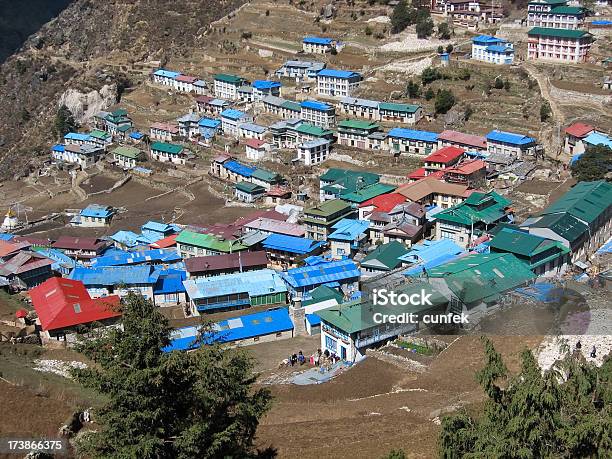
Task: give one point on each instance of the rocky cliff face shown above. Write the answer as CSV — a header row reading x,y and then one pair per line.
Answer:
x,y
83,54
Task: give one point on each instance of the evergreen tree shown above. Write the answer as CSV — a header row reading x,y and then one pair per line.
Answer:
x,y
413,90
424,28
593,164
564,412
64,122
402,17
545,111
429,75
444,101
444,32
429,94
168,405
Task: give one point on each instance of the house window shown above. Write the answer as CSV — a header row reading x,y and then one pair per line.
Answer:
x,y
330,344
256,339
279,334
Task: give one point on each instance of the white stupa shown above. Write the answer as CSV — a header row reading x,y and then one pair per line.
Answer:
x,y
10,221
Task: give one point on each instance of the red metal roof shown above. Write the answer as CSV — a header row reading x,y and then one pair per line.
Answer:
x,y
417,175
255,143
272,214
579,129
186,79
8,248
227,261
172,128
445,155
21,313
384,202
278,191
165,243
78,243
471,140
62,303
468,167
203,99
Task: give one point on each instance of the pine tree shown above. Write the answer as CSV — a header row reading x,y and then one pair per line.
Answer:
x,y
402,17
564,412
168,405
445,100
64,122
593,164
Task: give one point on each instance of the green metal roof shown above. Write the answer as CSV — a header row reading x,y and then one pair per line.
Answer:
x,y
249,187
560,33
366,193
169,148
387,255
569,10
357,124
227,78
265,175
209,241
327,208
355,316
128,152
565,225
98,134
310,129
323,293
550,2
291,105
403,108
482,277
334,174
585,201
479,207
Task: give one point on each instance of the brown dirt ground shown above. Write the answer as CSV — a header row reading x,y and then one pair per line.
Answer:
x,y
375,406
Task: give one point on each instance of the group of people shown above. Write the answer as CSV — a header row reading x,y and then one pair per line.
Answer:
x,y
593,351
294,359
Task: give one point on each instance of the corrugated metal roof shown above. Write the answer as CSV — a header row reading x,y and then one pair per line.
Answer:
x,y
318,40
387,255
97,211
255,283
291,244
510,138
239,168
170,281
266,84
413,134
116,275
585,201
342,74
321,274
233,114
348,229
135,258
316,105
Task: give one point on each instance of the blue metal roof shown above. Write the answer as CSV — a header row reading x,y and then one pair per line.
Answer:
x,y
499,49
433,263
348,229
238,168
344,74
209,123
159,227
266,84
332,271
232,114
413,134
127,238
170,281
6,237
509,138
60,258
96,211
487,39
291,244
136,135
318,40
166,73
135,258
430,250
253,128
59,147
316,105
235,329
77,136
255,283
313,320
116,275
595,138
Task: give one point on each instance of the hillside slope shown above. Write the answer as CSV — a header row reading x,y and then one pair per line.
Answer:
x,y
86,47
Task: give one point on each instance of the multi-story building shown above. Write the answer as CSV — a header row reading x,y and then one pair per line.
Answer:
x,y
300,69
318,45
164,131
510,144
263,88
168,152
574,138
320,218
468,142
337,83
492,49
412,141
559,17
226,86
318,113
355,133
313,151
400,113
231,120
361,108
188,125
558,44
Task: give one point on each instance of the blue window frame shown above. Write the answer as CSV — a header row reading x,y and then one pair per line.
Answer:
x,y
330,344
